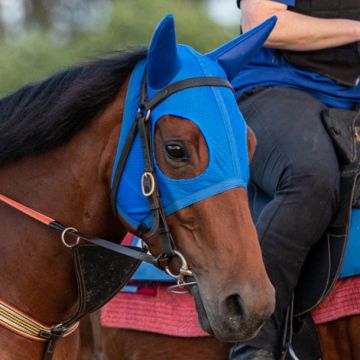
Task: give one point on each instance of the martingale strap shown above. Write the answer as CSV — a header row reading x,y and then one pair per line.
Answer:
x,y
56,225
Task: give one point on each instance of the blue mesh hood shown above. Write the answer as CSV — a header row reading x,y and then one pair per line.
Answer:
x,y
212,109
215,112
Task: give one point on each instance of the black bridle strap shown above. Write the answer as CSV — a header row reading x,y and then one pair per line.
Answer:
x,y
159,223
185,84
121,165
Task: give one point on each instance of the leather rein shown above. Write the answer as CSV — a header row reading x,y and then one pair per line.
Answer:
x,y
24,325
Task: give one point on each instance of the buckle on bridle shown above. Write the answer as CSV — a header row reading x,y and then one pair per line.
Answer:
x,y
148,113
147,188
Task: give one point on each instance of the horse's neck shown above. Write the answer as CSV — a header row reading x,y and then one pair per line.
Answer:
x,y
70,184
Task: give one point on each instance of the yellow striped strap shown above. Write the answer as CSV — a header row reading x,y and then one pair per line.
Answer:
x,y
24,325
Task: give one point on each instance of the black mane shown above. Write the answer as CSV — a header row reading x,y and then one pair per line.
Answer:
x,y
44,115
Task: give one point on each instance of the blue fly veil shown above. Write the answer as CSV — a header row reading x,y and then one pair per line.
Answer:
x,y
215,113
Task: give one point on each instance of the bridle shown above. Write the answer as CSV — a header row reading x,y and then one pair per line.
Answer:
x,y
159,226
150,189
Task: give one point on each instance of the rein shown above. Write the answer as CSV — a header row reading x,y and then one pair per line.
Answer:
x,y
24,325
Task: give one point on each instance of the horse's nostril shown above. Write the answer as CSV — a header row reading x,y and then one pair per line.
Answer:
x,y
234,307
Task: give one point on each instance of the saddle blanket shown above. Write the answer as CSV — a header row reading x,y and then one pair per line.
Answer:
x,y
153,309
343,300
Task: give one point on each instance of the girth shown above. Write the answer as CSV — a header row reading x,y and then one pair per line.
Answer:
x,y
102,267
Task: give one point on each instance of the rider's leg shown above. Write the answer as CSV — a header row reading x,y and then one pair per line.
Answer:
x,y
295,163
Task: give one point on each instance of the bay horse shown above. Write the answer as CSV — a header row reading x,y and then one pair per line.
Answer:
x,y
124,344
130,344
58,146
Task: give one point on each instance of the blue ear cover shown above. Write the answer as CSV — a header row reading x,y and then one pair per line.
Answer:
x,y
235,54
163,62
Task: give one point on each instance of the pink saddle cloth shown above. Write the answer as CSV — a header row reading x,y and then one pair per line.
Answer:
x,y
344,300
153,309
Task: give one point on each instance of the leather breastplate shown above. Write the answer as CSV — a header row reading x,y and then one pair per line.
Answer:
x,y
341,63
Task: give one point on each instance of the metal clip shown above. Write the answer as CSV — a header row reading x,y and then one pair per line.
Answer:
x,y
147,175
63,239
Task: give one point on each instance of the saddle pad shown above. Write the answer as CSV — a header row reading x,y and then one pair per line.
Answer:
x,y
158,312
155,310
351,264
343,300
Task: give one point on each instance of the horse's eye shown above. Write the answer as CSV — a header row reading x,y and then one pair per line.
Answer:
x,y
176,151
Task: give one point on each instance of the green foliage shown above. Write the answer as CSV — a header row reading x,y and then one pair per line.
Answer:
x,y
37,55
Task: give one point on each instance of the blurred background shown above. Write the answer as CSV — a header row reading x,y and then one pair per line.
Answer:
x,y
39,37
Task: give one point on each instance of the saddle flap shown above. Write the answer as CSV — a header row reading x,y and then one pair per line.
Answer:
x,y
340,124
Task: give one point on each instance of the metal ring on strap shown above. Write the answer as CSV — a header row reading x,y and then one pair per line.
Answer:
x,y
63,239
146,175
184,269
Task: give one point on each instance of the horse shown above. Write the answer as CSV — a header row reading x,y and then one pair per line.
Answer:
x,y
132,344
337,326
124,344
59,159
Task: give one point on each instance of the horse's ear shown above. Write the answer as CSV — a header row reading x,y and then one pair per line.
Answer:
x,y
236,53
251,143
163,62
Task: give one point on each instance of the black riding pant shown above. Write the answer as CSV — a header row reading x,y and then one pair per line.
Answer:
x,y
296,165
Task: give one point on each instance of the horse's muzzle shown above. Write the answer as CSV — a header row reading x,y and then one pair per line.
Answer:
x,y
235,318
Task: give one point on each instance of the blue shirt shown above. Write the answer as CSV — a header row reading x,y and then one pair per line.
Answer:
x,y
270,68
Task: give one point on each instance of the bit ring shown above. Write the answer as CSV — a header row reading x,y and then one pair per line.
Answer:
x,y
184,269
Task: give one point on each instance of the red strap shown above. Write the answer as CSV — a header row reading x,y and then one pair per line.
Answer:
x,y
24,209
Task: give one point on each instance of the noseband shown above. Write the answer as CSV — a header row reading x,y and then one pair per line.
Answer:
x,y
159,226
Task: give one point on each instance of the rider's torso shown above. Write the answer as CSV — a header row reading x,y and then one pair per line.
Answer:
x,y
341,63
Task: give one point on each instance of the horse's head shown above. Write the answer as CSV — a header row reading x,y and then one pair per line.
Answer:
x,y
201,149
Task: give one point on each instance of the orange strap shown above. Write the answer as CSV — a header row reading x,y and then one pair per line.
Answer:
x,y
26,210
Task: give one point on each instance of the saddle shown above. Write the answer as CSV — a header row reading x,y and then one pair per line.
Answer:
x,y
322,265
